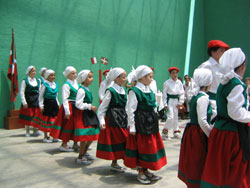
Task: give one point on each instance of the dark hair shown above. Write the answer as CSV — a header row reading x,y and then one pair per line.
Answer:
x,y
212,49
236,68
186,76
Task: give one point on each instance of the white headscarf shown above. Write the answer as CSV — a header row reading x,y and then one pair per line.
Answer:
x,y
29,68
132,75
82,76
68,70
202,77
114,73
231,59
47,73
42,69
142,70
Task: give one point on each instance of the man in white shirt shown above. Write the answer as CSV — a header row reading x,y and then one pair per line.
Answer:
x,y
216,48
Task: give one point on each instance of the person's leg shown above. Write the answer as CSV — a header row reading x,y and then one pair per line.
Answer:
x,y
27,134
175,123
81,159
141,177
168,124
46,138
82,149
150,175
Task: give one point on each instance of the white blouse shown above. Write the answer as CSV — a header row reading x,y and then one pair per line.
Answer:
x,y
132,103
173,88
105,102
235,101
33,82
42,91
79,99
201,108
102,89
66,93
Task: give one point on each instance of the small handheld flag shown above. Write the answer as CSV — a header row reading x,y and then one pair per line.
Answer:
x,y
93,60
104,60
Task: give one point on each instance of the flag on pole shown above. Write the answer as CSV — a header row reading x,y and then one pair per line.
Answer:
x,y
104,60
93,60
12,70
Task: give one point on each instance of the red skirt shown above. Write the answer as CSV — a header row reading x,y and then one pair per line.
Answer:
x,y
43,123
192,156
146,151
26,115
224,164
84,132
60,123
112,143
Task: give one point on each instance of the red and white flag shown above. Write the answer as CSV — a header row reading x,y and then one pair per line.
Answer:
x,y
104,60
12,70
93,60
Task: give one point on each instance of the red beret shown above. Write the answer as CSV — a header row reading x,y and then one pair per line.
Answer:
x,y
106,71
152,68
217,43
173,68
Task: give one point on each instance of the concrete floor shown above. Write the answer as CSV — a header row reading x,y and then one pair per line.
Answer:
x,y
28,162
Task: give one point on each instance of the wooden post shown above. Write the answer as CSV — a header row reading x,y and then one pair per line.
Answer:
x,y
11,121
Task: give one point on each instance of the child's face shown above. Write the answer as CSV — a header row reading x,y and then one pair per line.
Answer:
x,y
32,73
147,79
89,79
121,80
52,77
133,83
174,74
72,75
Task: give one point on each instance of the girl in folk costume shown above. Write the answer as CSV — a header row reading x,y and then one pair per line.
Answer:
x,y
29,97
228,144
42,73
49,105
113,120
144,149
173,98
194,141
85,118
62,127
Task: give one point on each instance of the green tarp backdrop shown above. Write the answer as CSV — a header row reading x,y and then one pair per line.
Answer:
x,y
58,33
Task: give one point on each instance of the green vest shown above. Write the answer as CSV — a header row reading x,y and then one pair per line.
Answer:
x,y
31,89
88,96
223,122
49,92
117,100
73,91
146,101
193,111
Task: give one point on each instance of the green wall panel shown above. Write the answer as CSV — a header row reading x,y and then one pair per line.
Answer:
x,y
58,33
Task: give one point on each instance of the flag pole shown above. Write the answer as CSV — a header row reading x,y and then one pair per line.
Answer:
x,y
14,54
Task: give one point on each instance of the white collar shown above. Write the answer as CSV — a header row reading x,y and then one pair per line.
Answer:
x,y
142,87
213,61
32,79
85,87
118,88
50,83
71,82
